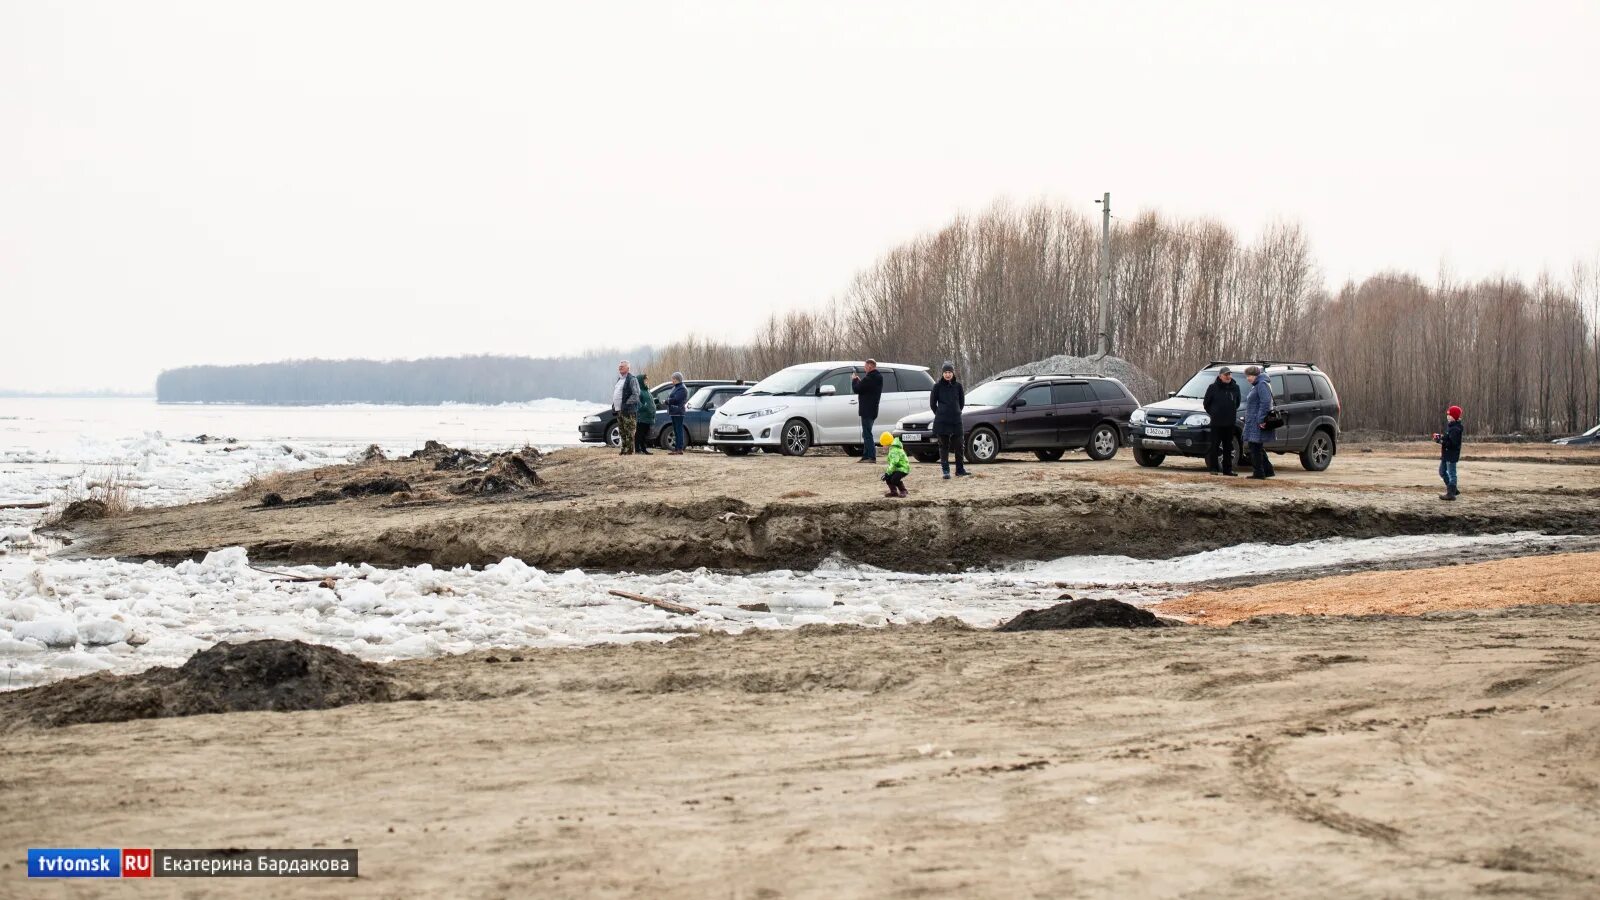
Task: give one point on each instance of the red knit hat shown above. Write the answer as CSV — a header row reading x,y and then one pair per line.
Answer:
x,y
1453,412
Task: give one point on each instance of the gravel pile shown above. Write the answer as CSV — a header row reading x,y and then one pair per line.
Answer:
x,y
1135,379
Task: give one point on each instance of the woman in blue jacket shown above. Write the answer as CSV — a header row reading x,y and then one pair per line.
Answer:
x,y
676,403
1257,403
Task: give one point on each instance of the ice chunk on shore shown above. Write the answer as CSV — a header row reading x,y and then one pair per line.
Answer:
x,y
52,632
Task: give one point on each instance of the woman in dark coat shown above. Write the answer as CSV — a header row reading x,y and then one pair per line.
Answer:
x,y
1257,403
946,400
677,401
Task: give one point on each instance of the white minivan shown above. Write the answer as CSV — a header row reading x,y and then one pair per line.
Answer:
x,y
812,405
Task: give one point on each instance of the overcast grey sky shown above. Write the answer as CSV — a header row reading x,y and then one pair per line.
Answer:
x,y
236,182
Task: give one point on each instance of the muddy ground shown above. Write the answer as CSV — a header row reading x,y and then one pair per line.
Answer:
x,y
1448,755
596,510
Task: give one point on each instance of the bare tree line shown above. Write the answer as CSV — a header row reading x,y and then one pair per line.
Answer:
x,y
1014,285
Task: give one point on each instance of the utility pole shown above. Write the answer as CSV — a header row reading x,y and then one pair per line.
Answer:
x,y
1103,343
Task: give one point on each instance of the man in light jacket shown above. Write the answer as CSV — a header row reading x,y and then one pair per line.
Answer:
x,y
625,402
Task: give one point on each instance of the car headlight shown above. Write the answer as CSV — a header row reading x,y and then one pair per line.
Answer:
x,y
591,420
1197,420
763,413
1137,417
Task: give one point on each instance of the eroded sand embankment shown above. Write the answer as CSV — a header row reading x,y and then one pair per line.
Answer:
x,y
595,510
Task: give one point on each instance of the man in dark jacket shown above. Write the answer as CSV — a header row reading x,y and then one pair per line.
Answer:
x,y
1450,452
946,400
677,405
1222,405
868,389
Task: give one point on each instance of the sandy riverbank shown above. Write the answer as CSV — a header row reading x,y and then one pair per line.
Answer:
x,y
595,510
1364,756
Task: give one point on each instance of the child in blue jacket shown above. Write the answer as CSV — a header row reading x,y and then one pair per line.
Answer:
x,y
1450,452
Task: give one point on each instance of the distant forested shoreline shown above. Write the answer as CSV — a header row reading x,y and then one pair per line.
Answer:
x,y
457,379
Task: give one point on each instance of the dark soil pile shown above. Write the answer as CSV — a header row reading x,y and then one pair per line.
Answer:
x,y
388,484
84,511
281,676
1085,613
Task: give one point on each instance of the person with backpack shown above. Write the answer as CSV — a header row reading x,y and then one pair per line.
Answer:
x,y
1257,405
1449,442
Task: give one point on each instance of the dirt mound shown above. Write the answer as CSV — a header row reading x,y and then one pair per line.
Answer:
x,y
282,676
1132,377
388,484
1084,613
84,511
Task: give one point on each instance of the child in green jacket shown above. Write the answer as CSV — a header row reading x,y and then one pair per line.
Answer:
x,y
898,468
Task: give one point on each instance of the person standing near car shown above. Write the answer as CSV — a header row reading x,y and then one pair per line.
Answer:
x,y
868,389
946,400
647,417
1222,405
1450,451
677,403
625,403
1257,404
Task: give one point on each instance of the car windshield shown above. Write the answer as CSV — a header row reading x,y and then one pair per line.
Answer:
x,y
1593,432
992,394
1196,388
787,381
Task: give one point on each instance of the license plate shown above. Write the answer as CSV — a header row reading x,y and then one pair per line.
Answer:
x,y
727,429
910,437
1158,432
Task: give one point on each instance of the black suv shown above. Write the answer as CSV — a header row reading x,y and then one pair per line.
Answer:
x,y
1179,426
601,427
1047,414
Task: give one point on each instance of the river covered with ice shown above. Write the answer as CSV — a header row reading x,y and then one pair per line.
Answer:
x,y
62,617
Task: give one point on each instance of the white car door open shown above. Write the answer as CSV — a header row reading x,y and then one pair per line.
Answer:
x,y
838,413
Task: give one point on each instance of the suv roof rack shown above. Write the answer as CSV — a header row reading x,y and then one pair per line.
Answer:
x,y
1266,362
1067,375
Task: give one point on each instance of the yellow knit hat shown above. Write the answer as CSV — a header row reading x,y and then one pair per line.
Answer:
x,y
886,440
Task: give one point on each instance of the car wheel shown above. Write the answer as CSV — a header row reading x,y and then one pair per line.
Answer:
x,y
1318,454
1240,459
1148,458
983,445
927,456
1049,455
735,451
614,436
666,440
796,437
1103,443
852,450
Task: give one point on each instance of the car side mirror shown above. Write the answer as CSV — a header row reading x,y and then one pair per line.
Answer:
x,y
827,390
1018,404
1172,393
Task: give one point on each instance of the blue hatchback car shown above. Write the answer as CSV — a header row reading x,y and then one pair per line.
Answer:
x,y
703,404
